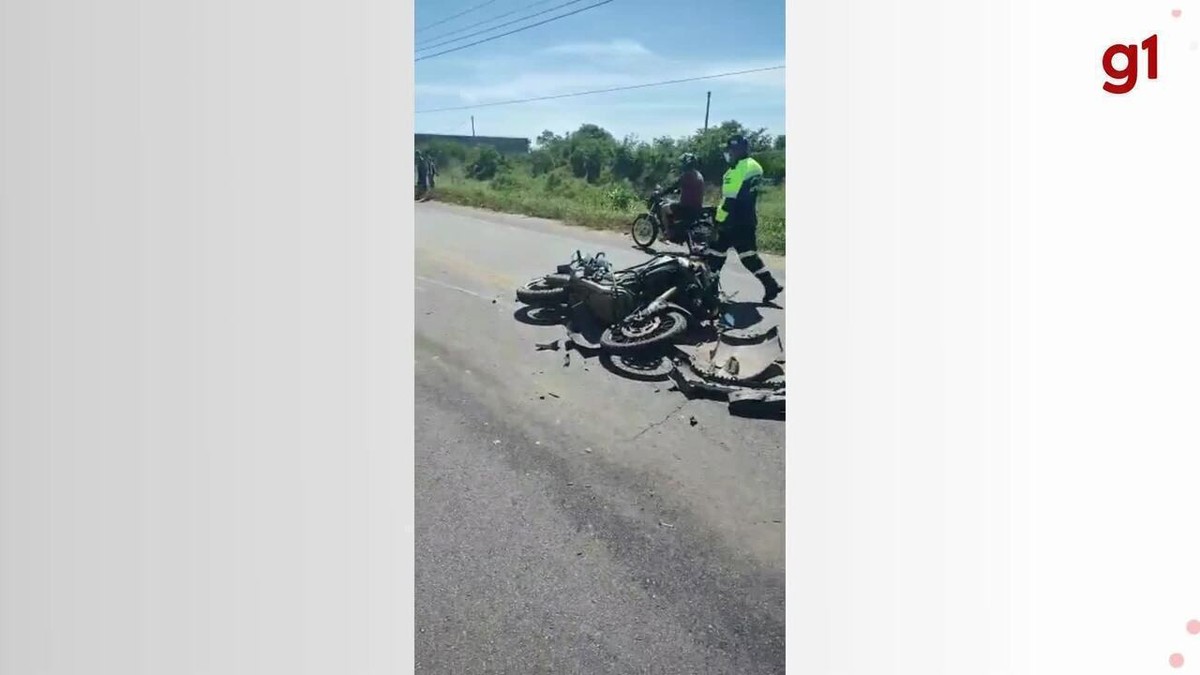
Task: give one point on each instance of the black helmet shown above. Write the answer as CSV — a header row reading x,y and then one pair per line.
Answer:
x,y
688,160
738,142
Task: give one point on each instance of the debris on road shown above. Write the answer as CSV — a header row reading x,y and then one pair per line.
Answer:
x,y
547,346
553,394
719,355
692,420
665,524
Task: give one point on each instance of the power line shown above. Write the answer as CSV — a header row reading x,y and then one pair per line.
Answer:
x,y
499,27
515,30
479,23
503,25
604,91
451,18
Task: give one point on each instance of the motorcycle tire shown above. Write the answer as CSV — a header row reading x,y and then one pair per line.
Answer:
x,y
650,367
664,327
644,230
542,291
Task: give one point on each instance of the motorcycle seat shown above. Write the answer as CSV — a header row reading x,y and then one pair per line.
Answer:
x,y
594,286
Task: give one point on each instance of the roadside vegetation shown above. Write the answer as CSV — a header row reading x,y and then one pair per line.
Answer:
x,y
589,178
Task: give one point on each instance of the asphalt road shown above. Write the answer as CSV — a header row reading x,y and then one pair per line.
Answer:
x,y
569,520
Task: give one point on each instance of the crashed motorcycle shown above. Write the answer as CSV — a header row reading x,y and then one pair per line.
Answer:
x,y
646,305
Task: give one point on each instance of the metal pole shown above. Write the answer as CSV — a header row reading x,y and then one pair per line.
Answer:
x,y
706,106
472,126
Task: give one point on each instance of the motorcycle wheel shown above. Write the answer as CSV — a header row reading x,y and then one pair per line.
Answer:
x,y
644,230
542,291
652,367
631,336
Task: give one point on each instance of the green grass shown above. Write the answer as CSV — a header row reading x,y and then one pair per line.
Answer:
x,y
558,196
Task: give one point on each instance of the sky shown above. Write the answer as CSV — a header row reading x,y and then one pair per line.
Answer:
x,y
625,42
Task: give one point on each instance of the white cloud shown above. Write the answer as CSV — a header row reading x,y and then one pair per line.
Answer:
x,y
616,49
529,85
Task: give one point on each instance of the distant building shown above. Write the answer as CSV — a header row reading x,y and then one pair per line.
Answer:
x,y
506,146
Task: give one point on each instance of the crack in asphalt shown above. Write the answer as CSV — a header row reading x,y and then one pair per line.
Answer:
x,y
658,423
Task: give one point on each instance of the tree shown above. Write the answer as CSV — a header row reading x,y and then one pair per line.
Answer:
x,y
590,152
774,164
541,161
589,157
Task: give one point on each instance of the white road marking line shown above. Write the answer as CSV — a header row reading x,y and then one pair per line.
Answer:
x,y
454,288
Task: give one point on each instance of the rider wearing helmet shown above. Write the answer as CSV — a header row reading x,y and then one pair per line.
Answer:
x,y
737,216
690,186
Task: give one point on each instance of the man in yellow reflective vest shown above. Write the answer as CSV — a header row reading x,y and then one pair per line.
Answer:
x,y
737,217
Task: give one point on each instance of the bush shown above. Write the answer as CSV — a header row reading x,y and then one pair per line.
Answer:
x,y
488,164
774,164
621,198
554,181
506,180
541,162
588,177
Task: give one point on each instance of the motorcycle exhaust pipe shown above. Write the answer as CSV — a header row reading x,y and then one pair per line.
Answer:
x,y
658,302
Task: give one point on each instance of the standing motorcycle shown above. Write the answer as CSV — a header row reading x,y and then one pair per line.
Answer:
x,y
648,226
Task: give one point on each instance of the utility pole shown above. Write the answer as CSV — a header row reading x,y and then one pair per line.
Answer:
x,y
472,126
706,106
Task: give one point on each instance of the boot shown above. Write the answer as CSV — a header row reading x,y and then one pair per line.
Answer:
x,y
771,289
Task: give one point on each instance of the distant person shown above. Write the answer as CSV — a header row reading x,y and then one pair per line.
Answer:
x,y
690,207
737,216
431,170
422,174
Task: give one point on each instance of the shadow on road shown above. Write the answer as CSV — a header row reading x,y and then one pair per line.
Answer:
x,y
540,316
742,315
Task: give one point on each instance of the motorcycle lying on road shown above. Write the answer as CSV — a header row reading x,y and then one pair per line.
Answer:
x,y
642,306
648,226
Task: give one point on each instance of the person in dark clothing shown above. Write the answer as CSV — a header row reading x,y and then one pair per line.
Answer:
x,y
689,208
422,174
737,217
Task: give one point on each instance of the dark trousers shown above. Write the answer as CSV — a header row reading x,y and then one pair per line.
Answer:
x,y
742,238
